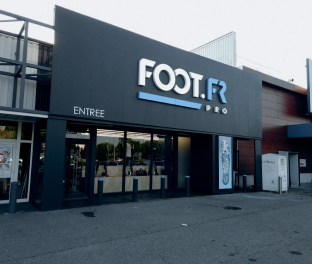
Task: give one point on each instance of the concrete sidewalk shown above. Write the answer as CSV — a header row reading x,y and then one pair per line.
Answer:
x,y
303,189
269,228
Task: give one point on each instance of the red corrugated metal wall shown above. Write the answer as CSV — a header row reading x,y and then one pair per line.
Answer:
x,y
280,107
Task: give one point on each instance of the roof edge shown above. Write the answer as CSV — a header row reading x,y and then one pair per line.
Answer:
x,y
278,82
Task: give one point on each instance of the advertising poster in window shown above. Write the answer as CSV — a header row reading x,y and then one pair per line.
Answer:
x,y
6,159
225,162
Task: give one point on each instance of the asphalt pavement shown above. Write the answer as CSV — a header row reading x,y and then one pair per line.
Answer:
x,y
234,228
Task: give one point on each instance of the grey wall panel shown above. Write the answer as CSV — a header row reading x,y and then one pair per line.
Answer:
x,y
96,66
241,115
72,58
255,113
107,91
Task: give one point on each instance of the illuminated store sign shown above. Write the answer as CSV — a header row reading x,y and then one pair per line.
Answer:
x,y
188,78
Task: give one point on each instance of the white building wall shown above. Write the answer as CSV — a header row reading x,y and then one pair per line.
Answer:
x,y
222,49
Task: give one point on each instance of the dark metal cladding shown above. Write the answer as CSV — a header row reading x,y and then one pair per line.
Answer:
x,y
95,65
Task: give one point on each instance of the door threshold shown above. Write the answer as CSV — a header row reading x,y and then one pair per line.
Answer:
x,y
76,197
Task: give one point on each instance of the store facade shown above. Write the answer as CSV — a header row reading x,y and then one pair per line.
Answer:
x,y
122,106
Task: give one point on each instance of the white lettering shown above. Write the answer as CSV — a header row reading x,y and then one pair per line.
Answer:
x,y
143,74
158,83
88,111
76,108
81,111
187,82
196,78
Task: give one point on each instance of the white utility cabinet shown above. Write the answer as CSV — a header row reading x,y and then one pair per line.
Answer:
x,y
273,167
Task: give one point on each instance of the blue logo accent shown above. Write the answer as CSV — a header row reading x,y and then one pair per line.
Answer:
x,y
168,100
210,90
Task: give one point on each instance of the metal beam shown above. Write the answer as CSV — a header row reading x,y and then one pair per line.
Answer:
x,y
30,65
17,55
22,37
14,62
11,20
41,74
26,19
7,64
22,30
7,73
35,66
22,87
26,77
18,71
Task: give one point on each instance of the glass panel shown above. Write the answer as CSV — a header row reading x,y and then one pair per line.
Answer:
x,y
27,131
8,85
75,134
42,133
138,156
41,167
6,160
76,178
4,188
161,150
8,129
23,170
10,45
109,160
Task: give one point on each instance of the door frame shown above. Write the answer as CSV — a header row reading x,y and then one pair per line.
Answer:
x,y
78,141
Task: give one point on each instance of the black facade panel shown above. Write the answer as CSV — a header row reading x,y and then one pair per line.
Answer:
x,y
96,65
72,75
54,165
202,164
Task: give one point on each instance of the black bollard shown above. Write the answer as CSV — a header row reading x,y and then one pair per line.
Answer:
x,y
245,183
135,189
187,186
162,187
13,197
100,191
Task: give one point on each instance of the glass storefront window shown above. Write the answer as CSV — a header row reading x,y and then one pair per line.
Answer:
x,y
8,129
4,188
159,156
109,160
26,131
23,170
15,157
41,167
138,159
77,135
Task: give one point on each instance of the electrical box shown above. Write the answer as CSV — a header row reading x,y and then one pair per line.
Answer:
x,y
273,167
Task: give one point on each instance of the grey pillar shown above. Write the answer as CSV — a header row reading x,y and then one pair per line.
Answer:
x,y
187,186
13,197
162,186
135,189
258,166
100,191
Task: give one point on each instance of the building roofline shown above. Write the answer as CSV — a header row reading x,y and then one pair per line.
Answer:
x,y
277,82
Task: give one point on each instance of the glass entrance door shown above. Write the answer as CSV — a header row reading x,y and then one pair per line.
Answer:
x,y
77,169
